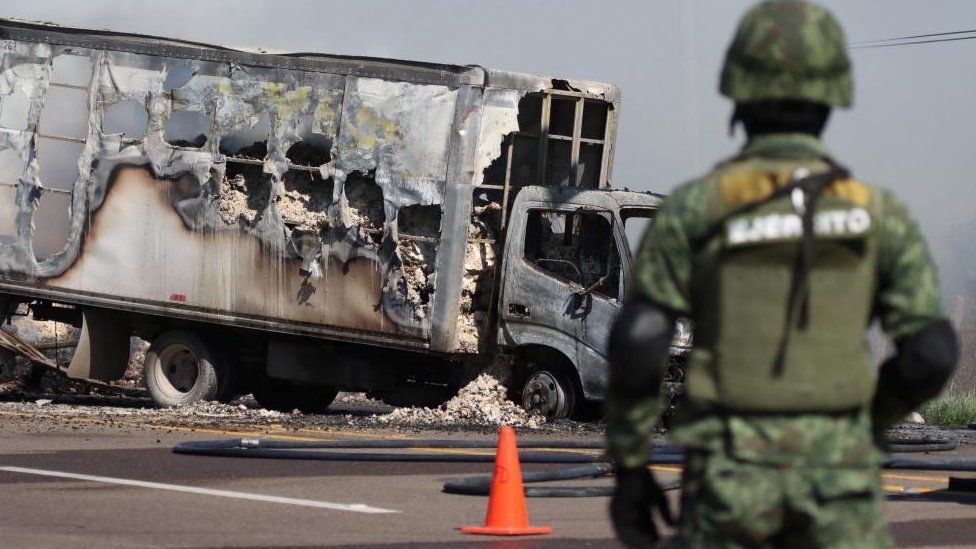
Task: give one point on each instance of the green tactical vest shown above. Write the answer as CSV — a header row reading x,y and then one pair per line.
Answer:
x,y
749,356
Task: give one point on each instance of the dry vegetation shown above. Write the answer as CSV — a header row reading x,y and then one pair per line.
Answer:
x,y
951,409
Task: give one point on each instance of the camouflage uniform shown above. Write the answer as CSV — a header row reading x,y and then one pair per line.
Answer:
x,y
773,478
751,477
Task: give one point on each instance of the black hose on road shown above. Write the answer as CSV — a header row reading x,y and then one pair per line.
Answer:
x,y
906,445
282,449
558,452
481,486
959,464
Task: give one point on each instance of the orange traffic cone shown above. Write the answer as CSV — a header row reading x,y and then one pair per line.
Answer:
x,y
507,515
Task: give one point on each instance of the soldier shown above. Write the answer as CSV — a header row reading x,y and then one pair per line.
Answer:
x,y
781,258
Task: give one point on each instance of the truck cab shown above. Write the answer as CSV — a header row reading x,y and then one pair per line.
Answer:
x,y
566,270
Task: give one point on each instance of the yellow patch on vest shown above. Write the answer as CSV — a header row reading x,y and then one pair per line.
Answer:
x,y
850,190
747,186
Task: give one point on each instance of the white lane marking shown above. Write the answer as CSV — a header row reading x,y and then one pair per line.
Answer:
x,y
354,507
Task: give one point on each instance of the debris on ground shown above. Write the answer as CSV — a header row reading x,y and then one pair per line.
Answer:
x,y
204,410
930,431
350,398
915,417
21,379
57,341
44,392
43,332
483,401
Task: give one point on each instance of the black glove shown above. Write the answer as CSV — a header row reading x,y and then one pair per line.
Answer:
x,y
918,372
636,498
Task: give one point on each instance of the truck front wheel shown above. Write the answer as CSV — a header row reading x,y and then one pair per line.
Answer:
x,y
181,369
550,392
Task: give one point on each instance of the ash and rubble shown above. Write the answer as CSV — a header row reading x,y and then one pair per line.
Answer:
x,y
233,203
358,413
57,341
921,431
481,402
303,200
418,233
44,393
480,262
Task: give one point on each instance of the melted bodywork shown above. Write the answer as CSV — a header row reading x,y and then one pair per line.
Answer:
x,y
306,194
563,285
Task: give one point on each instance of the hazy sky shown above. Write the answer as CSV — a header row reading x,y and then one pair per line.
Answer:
x,y
911,128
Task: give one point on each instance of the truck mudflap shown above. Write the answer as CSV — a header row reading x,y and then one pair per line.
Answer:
x,y
103,348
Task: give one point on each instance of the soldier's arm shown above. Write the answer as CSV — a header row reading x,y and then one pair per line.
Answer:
x,y
909,307
641,337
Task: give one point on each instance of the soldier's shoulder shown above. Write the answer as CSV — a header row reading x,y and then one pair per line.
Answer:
x,y
692,193
756,179
891,204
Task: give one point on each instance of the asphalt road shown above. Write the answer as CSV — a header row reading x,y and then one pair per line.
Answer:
x,y
73,484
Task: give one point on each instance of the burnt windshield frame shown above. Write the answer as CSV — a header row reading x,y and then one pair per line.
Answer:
x,y
627,213
605,282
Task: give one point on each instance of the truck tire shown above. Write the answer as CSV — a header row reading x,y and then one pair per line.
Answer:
x,y
285,396
181,369
549,391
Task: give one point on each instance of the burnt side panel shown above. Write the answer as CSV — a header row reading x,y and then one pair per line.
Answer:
x,y
260,192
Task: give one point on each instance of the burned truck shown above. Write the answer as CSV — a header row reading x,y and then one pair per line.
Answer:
x,y
290,225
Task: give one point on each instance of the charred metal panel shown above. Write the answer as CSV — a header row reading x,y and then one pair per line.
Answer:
x,y
499,119
390,69
540,307
457,215
533,83
307,228
399,135
534,131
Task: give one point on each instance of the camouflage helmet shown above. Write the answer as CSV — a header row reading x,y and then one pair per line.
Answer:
x,y
788,49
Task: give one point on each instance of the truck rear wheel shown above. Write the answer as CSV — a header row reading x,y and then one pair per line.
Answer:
x,y
181,369
284,396
550,392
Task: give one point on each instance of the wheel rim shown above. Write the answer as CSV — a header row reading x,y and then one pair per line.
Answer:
x,y
543,394
179,369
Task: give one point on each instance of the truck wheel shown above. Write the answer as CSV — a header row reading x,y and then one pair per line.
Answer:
x,y
284,396
549,392
181,369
